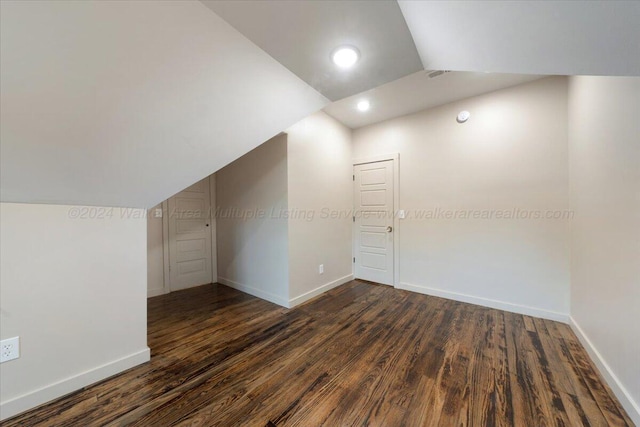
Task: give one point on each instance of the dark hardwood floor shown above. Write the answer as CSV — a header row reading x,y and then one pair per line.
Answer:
x,y
361,354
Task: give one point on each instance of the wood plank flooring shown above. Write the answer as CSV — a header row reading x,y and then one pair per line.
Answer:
x,y
361,354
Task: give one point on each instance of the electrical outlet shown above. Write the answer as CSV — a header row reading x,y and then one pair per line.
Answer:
x,y
157,213
321,269
9,349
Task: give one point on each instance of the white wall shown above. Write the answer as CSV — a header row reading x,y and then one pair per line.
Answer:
x,y
74,290
320,169
604,140
294,181
155,251
134,100
252,229
512,153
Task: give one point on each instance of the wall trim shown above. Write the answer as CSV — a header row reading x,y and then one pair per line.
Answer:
x,y
214,226
376,158
487,302
63,387
166,280
155,292
319,290
276,299
627,402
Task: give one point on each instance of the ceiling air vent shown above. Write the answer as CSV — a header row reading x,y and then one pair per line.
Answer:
x,y
436,73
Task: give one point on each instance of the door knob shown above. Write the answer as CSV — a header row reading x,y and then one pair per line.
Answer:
x,y
389,229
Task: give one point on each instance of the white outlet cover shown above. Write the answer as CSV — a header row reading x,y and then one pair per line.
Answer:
x,y
321,268
9,349
401,214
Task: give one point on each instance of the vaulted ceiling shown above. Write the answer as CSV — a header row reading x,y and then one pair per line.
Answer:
x,y
126,103
302,34
527,36
418,92
488,45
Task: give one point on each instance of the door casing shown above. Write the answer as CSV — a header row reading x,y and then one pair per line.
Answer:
x,y
395,157
165,237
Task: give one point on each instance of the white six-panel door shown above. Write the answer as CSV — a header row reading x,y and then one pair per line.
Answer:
x,y
190,237
373,222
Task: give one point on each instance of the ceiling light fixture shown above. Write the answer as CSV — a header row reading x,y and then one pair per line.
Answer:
x,y
345,56
364,105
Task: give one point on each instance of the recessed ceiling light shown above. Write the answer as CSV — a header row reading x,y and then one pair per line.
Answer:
x,y
345,56
364,105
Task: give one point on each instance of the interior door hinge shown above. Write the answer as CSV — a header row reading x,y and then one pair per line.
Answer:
x,y
354,259
354,219
354,177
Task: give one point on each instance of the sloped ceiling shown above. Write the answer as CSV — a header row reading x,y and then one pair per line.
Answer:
x,y
115,103
527,37
124,103
302,35
418,92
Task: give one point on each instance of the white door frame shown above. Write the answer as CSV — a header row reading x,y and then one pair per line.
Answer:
x,y
165,246
395,157
166,285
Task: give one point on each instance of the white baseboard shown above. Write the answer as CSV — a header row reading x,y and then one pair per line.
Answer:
x,y
486,302
319,290
155,292
45,394
627,402
276,299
